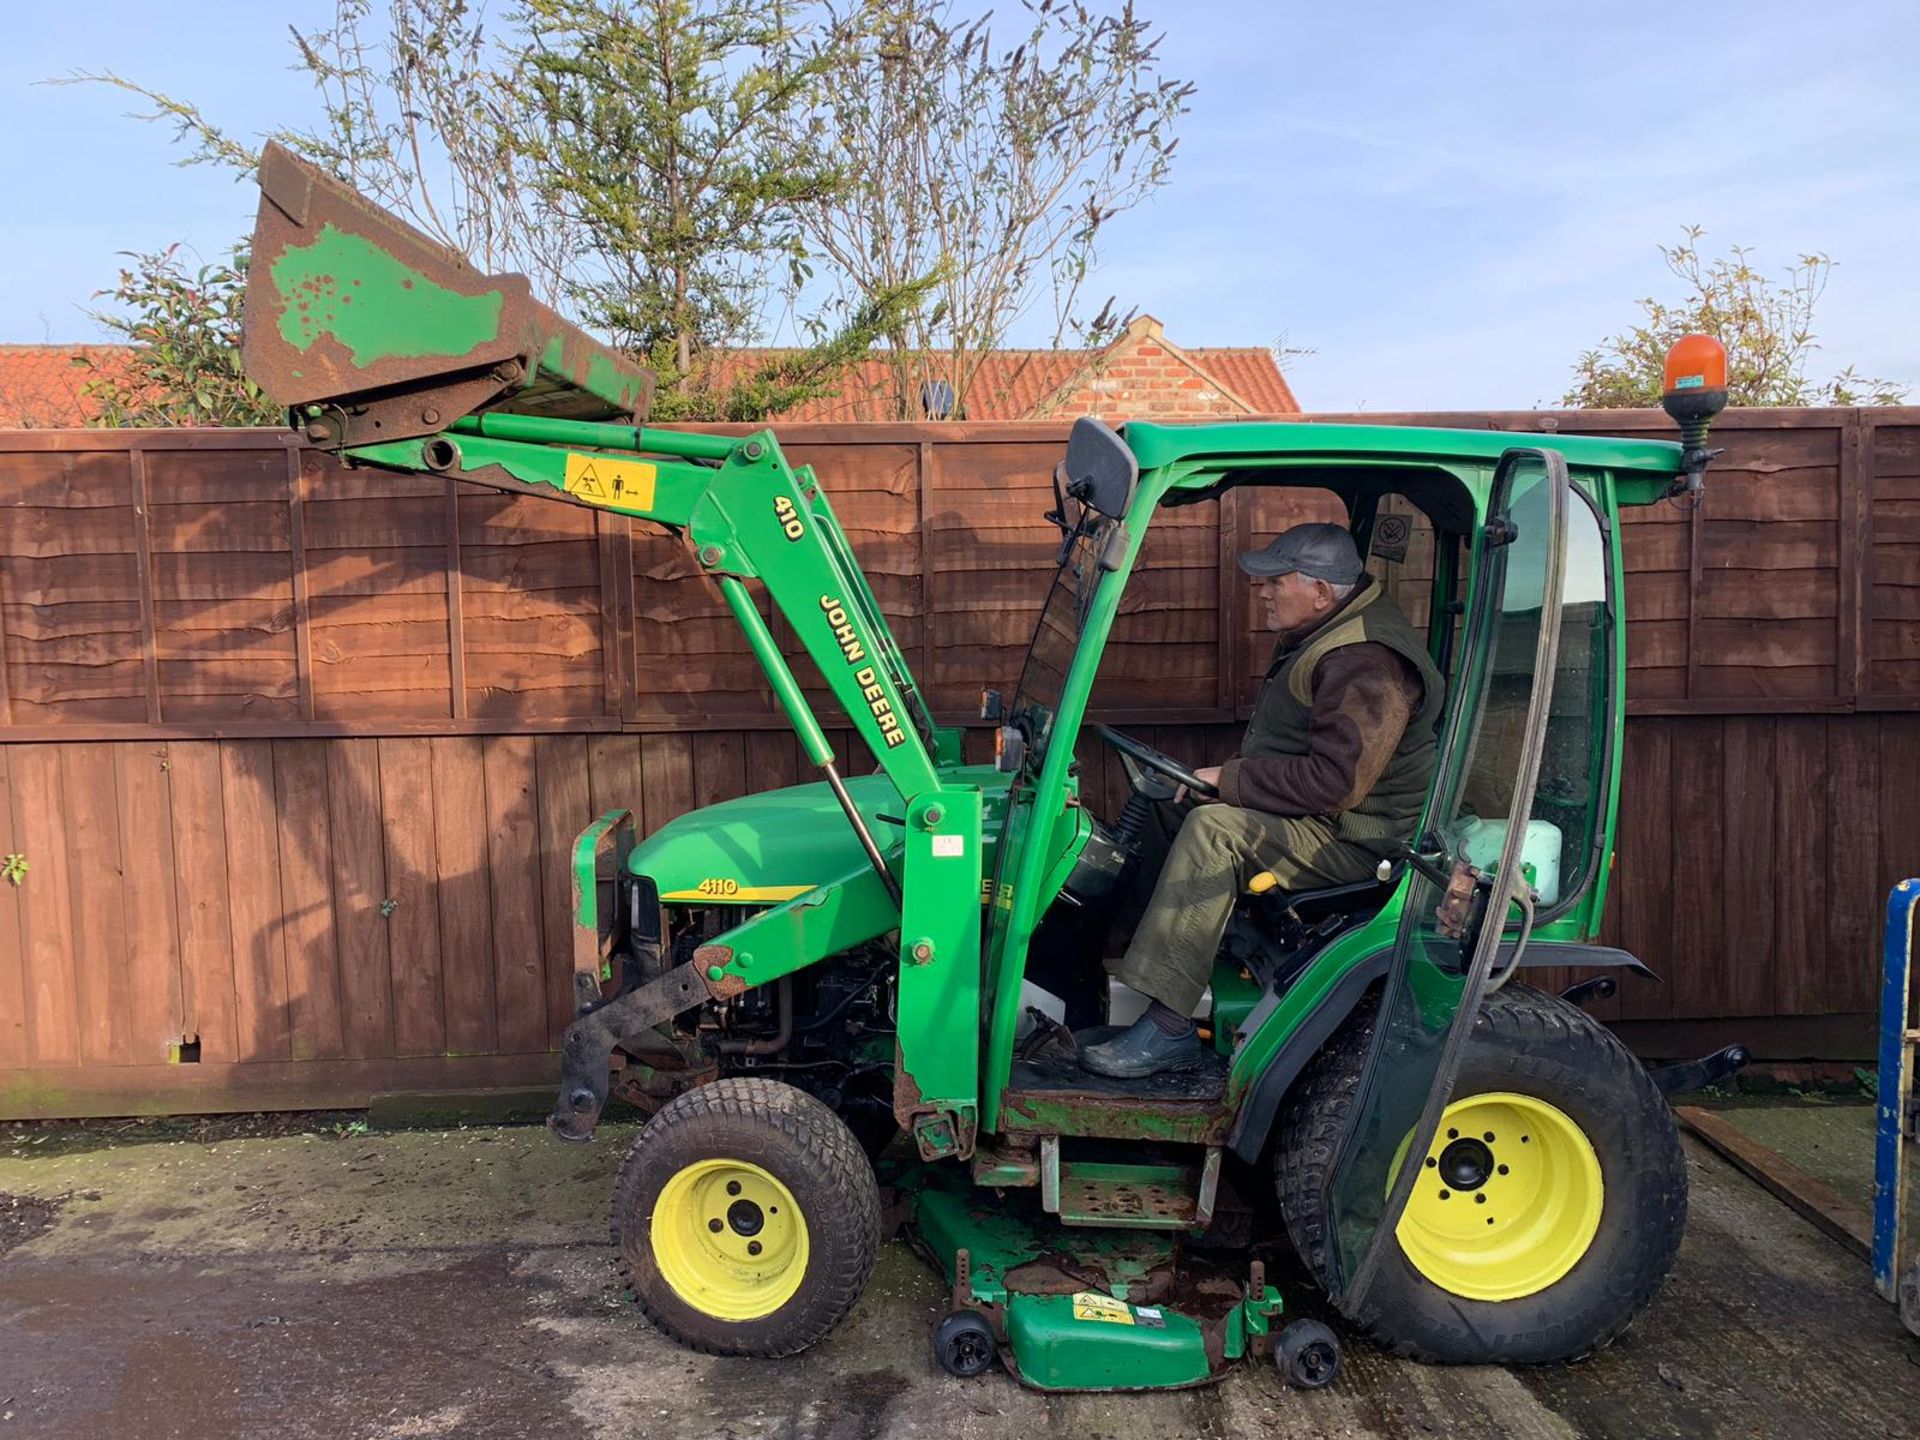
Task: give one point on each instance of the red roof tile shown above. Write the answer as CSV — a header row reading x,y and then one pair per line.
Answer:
x,y
1009,385
1018,384
41,386
1250,374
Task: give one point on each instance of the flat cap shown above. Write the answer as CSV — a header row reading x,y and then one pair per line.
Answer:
x,y
1320,550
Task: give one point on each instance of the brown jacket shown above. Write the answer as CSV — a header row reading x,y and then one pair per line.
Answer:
x,y
1363,697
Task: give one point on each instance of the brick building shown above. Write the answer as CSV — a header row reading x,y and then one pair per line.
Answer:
x,y
1142,373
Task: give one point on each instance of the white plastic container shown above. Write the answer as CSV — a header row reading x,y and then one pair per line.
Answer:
x,y
1483,841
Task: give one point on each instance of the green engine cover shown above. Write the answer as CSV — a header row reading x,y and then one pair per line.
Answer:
x,y
766,848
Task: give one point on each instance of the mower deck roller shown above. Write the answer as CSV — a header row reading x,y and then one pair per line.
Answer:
x,y
369,331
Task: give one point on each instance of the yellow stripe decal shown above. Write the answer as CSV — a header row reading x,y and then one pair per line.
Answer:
x,y
738,894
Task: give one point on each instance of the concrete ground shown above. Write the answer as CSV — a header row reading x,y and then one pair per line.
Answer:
x,y
458,1283
1830,1140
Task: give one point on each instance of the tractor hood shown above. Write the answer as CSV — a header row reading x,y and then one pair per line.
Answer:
x,y
766,848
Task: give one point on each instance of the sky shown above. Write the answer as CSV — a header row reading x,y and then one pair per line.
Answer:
x,y
1443,203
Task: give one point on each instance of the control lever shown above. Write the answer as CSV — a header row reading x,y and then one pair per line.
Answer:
x,y
1425,863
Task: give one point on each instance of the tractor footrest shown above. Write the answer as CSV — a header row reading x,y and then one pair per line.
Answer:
x,y
1139,1197
1147,1197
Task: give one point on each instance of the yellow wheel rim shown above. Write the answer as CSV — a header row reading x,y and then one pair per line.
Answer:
x,y
729,1239
1508,1198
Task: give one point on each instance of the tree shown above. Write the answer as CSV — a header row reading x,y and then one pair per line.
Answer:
x,y
661,130
991,171
620,152
1766,326
184,330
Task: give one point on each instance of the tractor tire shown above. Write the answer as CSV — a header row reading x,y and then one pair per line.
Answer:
x,y
1557,1143
747,1219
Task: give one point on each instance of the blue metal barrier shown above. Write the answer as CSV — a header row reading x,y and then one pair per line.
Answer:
x,y
1897,1039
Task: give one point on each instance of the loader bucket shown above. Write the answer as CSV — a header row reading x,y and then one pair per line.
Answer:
x,y
367,330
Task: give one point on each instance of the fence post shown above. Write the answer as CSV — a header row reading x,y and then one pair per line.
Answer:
x,y
297,475
1855,629
143,558
1234,538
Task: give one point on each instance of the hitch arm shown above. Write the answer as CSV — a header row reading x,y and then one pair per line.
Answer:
x,y
1699,1074
586,1054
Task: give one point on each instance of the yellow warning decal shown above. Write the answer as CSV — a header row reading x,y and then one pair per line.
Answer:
x,y
1089,1306
610,480
722,889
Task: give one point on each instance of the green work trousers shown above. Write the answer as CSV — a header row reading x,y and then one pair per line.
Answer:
x,y
1218,849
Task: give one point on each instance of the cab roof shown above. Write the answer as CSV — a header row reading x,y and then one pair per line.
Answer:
x,y
1155,445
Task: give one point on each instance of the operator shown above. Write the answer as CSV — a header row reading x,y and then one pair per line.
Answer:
x,y
1330,780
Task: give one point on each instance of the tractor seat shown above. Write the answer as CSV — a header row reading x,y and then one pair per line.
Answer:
x,y
1308,907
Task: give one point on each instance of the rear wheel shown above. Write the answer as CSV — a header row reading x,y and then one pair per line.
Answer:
x,y
1549,1208
747,1218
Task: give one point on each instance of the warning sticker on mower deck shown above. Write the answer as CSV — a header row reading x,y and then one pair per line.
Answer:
x,y
1088,1306
609,480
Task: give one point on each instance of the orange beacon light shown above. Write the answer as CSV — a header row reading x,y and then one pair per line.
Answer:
x,y
1694,390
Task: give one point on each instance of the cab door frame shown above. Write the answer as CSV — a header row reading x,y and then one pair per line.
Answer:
x,y
1427,1010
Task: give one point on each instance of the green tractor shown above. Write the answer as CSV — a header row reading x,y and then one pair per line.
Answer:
x,y
793,982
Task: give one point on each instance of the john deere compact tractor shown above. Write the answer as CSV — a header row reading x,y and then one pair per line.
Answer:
x,y
1471,1169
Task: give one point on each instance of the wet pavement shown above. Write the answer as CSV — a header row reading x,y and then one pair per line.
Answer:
x,y
458,1283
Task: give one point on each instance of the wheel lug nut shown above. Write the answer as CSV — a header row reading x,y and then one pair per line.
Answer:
x,y
1446,1194
733,1187
1480,1199
716,1226
753,1247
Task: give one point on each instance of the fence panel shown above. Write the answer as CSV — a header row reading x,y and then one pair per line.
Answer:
x,y
295,755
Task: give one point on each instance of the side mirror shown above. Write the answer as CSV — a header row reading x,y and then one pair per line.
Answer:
x,y
1694,392
1100,470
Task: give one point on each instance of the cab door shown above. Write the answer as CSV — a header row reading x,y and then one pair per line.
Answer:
x,y
1450,932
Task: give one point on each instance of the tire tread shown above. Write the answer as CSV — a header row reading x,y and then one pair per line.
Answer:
x,y
1515,1020
824,1147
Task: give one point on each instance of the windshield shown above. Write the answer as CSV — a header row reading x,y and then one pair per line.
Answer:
x,y
1057,636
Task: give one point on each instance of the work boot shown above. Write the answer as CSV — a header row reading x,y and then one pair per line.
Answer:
x,y
1142,1049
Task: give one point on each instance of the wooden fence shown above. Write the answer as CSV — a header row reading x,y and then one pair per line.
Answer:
x,y
293,755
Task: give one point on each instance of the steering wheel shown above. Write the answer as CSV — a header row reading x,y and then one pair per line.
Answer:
x,y
1132,750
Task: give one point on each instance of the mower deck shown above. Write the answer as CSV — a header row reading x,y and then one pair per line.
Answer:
x,y
1084,1308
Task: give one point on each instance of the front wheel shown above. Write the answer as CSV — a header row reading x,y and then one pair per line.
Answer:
x,y
1549,1208
747,1218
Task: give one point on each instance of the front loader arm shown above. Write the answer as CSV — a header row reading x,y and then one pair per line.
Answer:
x,y
390,348
747,514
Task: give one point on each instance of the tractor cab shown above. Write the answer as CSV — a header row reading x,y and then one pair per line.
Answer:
x,y
1518,596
